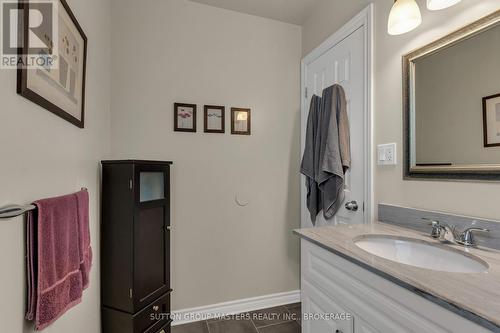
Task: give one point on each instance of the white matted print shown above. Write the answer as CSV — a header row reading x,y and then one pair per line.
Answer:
x,y
214,119
184,117
59,88
491,120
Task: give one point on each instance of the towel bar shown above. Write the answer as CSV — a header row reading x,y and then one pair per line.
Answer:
x,y
14,210
10,211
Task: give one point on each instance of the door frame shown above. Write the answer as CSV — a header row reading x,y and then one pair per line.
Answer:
x,y
363,20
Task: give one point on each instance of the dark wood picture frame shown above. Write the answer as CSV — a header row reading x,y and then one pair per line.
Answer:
x,y
485,121
22,73
222,109
234,131
176,117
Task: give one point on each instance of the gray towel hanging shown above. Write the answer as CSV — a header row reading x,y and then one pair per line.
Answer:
x,y
327,153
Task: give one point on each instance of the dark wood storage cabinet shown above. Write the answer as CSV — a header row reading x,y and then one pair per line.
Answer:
x,y
135,247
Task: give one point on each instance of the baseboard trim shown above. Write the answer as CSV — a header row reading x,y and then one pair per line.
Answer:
x,y
234,307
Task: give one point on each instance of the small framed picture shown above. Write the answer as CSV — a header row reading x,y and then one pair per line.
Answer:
x,y
215,119
240,121
184,117
491,120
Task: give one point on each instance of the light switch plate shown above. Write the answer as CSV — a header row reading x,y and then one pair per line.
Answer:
x,y
386,154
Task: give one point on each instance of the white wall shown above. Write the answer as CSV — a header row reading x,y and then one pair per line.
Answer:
x,y
43,156
180,51
467,198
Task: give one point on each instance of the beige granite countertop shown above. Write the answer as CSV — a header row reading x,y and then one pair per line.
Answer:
x,y
477,293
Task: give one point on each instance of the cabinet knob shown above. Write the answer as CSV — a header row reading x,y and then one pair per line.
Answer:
x,y
156,308
338,331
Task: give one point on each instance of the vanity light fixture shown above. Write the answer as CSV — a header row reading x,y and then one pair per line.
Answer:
x,y
404,17
441,4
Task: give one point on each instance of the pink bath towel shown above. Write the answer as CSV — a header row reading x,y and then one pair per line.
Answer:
x,y
59,256
84,236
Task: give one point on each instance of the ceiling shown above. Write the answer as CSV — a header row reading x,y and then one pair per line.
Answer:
x,y
290,11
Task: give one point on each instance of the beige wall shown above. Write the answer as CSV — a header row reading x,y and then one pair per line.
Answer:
x,y
187,52
326,17
43,155
477,199
467,198
449,87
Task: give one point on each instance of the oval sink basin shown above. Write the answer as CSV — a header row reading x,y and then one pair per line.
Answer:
x,y
421,254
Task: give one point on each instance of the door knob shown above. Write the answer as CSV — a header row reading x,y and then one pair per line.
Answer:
x,y
352,206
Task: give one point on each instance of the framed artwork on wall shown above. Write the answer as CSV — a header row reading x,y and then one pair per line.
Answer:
x,y
215,119
491,120
240,121
60,86
184,117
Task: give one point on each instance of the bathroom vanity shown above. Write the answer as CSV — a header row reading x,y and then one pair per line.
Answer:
x,y
419,285
401,275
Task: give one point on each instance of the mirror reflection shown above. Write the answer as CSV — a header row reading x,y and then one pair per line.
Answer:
x,y
456,102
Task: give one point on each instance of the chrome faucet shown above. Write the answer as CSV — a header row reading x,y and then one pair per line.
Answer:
x,y
467,237
439,230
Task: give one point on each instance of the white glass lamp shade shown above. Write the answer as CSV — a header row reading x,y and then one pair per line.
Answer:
x,y
404,17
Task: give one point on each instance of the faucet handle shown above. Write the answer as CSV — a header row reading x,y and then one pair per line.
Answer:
x,y
430,221
467,237
437,227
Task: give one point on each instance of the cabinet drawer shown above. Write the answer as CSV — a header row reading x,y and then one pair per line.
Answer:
x,y
154,314
152,319
163,329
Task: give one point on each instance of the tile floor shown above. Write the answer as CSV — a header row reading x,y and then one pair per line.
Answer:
x,y
280,319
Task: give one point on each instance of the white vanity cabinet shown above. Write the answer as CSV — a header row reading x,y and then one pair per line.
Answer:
x,y
333,285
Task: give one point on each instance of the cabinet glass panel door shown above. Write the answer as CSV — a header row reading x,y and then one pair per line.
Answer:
x,y
152,186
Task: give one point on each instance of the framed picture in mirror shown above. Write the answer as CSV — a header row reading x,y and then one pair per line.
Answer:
x,y
491,120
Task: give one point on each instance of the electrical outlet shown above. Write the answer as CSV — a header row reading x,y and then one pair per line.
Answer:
x,y
387,154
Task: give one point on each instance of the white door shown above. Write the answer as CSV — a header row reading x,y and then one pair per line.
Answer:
x,y
343,63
